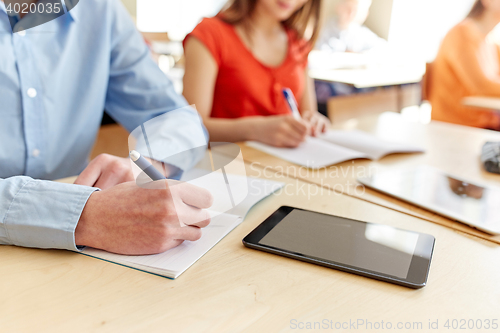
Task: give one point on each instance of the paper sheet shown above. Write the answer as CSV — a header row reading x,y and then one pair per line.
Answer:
x,y
175,261
368,144
246,191
313,153
336,147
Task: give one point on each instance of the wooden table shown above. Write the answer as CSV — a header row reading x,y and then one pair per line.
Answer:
x,y
451,148
235,289
370,77
373,77
488,103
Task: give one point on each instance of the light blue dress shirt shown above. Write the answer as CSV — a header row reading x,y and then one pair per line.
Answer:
x,y
55,81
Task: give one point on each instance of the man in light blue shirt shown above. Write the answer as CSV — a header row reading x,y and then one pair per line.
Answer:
x,y
55,81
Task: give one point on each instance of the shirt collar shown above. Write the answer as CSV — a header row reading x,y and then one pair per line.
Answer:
x,y
71,4
70,9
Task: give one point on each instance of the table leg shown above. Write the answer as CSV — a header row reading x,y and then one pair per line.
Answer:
x,y
399,98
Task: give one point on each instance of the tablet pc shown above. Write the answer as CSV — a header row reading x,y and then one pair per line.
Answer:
x,y
373,250
473,204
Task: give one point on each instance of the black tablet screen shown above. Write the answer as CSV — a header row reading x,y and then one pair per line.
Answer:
x,y
373,247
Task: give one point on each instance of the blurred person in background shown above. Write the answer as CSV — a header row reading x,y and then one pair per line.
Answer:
x,y
345,32
239,62
468,64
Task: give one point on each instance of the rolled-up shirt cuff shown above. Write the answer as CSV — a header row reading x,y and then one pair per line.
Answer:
x,y
44,214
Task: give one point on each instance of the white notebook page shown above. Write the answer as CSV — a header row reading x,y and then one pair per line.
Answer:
x,y
366,143
313,153
175,261
246,191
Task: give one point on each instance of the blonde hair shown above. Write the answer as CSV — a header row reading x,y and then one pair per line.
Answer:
x,y
305,21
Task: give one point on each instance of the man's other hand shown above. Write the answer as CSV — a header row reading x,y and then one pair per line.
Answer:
x,y
106,171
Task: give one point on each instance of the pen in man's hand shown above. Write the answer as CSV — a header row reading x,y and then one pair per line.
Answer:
x,y
145,166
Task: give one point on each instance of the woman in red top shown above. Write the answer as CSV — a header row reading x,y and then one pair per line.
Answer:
x,y
238,63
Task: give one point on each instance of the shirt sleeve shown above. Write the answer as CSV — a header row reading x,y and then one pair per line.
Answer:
x,y
369,39
41,214
300,49
209,32
329,38
139,91
464,56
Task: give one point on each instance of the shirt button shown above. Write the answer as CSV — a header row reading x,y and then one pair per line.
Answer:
x,y
21,33
35,152
32,92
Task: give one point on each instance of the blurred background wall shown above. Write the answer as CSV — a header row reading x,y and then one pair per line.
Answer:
x,y
417,26
131,6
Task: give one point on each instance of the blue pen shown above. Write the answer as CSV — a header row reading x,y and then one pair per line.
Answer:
x,y
292,102
145,166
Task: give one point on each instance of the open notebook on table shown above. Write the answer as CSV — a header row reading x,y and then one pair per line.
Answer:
x,y
246,192
335,147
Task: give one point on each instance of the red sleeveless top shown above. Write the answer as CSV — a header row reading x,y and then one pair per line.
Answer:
x,y
244,86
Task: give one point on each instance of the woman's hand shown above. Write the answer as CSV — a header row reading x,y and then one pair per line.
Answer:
x,y
317,122
278,131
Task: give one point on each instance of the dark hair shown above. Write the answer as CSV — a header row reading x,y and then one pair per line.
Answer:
x,y
307,17
477,9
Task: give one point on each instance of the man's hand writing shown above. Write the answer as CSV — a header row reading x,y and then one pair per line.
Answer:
x,y
128,219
